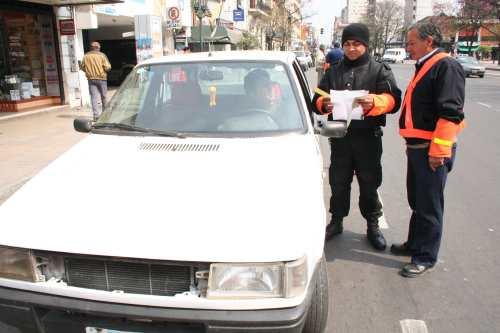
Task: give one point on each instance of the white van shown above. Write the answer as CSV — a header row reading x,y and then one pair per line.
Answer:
x,y
394,55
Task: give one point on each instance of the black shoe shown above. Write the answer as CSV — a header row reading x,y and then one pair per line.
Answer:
x,y
415,270
375,236
401,250
336,227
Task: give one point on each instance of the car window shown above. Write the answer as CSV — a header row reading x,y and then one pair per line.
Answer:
x,y
209,98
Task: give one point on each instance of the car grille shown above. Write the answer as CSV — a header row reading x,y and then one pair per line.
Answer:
x,y
129,277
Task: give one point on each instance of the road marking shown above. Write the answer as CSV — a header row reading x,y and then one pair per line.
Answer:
x,y
382,222
413,326
485,105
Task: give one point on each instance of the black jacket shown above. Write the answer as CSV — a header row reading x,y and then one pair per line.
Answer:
x,y
361,74
439,94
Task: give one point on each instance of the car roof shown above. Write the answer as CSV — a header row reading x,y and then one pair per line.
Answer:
x,y
280,56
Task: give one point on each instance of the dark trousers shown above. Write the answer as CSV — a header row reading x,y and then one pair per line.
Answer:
x,y
425,189
359,153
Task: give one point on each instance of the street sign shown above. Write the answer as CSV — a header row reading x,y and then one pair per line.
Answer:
x,y
67,27
173,18
238,15
173,13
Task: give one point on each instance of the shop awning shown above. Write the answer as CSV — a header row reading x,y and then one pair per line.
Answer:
x,y
222,35
74,2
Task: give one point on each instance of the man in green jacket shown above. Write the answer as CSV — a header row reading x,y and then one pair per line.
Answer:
x,y
96,65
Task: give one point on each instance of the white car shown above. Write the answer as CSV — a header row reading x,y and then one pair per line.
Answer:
x,y
303,60
191,206
394,55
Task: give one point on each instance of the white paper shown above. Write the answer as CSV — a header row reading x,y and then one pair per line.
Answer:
x,y
343,104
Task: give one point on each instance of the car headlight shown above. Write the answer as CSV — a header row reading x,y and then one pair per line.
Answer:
x,y
265,280
18,264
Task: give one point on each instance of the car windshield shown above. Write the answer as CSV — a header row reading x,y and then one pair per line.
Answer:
x,y
390,52
207,98
468,60
300,54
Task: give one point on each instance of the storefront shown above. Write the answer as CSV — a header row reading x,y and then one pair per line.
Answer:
x,y
29,57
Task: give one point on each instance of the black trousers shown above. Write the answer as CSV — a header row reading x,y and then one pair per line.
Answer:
x,y
425,189
358,153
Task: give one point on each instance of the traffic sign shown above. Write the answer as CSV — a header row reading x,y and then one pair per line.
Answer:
x,y
173,18
173,13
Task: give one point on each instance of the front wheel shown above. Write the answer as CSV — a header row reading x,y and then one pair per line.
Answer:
x,y
318,311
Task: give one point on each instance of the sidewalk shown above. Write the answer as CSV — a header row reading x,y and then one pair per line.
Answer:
x,y
30,140
28,144
490,66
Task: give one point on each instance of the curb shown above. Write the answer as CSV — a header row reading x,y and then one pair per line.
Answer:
x,y
34,112
493,69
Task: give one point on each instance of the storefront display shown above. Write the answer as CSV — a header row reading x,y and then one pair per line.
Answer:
x,y
28,74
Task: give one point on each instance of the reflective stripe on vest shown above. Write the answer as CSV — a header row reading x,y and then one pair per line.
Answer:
x,y
409,131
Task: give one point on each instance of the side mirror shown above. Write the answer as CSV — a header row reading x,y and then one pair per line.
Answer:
x,y
82,125
333,129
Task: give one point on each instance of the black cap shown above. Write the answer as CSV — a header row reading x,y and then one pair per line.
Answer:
x,y
356,31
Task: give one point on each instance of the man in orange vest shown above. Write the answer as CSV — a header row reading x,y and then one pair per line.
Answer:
x,y
431,117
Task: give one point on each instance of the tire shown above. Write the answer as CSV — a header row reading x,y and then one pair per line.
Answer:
x,y
318,310
481,76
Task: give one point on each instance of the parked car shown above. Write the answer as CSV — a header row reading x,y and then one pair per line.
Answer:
x,y
471,66
394,55
302,59
192,205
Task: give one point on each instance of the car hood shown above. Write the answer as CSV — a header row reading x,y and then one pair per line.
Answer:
x,y
227,200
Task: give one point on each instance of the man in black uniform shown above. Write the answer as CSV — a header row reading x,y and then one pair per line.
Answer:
x,y
360,151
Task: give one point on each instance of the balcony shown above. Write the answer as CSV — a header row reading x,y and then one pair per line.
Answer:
x,y
259,9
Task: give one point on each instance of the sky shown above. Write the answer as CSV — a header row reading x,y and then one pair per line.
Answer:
x,y
323,13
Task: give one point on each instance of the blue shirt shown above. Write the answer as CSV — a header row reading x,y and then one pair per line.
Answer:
x,y
334,55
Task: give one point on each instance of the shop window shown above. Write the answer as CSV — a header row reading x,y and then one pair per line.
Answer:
x,y
28,63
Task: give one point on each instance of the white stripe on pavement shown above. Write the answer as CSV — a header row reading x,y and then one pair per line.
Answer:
x,y
484,104
413,326
382,222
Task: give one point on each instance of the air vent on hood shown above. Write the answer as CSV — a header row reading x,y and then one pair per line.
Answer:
x,y
178,147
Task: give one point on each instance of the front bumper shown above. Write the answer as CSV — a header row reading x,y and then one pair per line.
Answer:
x,y
31,312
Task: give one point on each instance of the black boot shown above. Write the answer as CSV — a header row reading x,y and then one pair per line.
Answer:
x,y
375,236
335,227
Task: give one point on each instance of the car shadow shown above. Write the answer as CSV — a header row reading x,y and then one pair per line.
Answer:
x,y
352,246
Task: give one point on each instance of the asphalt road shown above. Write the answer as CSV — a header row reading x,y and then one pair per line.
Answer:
x,y
462,294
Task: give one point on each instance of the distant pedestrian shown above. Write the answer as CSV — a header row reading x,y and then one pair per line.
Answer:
x,y
335,55
320,62
96,65
431,117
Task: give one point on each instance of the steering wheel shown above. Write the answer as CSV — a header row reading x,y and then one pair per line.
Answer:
x,y
262,114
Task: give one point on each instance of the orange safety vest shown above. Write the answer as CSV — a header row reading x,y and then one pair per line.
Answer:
x,y
409,131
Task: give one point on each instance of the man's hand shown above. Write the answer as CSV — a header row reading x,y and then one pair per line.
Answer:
x,y
366,102
435,162
327,105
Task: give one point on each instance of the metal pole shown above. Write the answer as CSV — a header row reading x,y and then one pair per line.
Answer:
x,y
201,35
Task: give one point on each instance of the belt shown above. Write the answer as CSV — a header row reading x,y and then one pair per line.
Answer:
x,y
418,145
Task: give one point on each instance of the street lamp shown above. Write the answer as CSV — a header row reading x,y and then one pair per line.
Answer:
x,y
201,10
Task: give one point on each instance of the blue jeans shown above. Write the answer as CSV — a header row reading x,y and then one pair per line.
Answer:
x,y
425,189
98,90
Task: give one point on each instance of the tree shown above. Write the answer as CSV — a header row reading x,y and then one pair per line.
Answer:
x,y
474,14
385,21
248,42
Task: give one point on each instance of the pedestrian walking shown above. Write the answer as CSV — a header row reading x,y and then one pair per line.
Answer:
x,y
431,117
320,62
334,55
96,65
360,151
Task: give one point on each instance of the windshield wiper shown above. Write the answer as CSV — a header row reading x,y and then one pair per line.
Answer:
x,y
128,127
